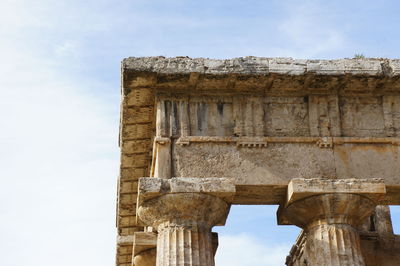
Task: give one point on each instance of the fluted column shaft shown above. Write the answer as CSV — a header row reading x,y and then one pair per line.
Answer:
x,y
330,222
184,245
334,244
183,222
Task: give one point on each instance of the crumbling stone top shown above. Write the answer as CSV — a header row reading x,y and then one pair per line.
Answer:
x,y
263,65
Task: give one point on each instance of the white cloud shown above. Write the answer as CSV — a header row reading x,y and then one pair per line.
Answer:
x,y
310,31
58,176
59,163
58,157
245,250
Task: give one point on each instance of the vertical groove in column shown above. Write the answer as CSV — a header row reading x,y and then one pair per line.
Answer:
x,y
335,245
188,253
248,122
194,248
173,250
200,244
183,246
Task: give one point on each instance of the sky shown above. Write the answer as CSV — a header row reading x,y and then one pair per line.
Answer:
x,y
59,107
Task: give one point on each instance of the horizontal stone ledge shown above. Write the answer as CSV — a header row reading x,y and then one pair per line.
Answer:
x,y
263,141
274,194
300,188
249,194
152,187
262,65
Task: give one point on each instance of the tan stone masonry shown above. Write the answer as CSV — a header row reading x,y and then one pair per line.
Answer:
x,y
183,212
330,211
320,138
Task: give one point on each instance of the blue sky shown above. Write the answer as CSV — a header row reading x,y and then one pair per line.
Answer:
x,y
59,82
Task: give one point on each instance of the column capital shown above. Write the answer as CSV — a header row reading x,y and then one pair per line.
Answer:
x,y
335,208
329,211
204,200
330,201
152,187
184,209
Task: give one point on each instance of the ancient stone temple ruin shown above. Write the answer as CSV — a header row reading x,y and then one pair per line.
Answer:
x,y
319,138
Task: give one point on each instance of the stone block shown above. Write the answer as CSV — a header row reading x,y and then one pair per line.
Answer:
x,y
287,66
136,146
300,188
139,97
143,241
132,173
362,66
136,160
326,67
137,131
150,187
126,221
132,115
395,67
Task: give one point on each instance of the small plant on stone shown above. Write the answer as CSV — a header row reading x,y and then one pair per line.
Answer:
x,y
359,56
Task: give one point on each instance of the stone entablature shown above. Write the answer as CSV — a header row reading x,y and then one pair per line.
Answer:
x,y
257,122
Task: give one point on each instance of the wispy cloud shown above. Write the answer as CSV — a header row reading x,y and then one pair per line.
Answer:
x,y
58,169
59,154
310,30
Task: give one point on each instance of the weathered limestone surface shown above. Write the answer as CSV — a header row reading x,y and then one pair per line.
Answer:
x,y
144,248
330,211
183,212
255,124
379,246
262,65
150,188
145,258
184,222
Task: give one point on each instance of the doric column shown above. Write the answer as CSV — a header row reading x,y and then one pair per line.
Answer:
x,y
183,216
329,211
